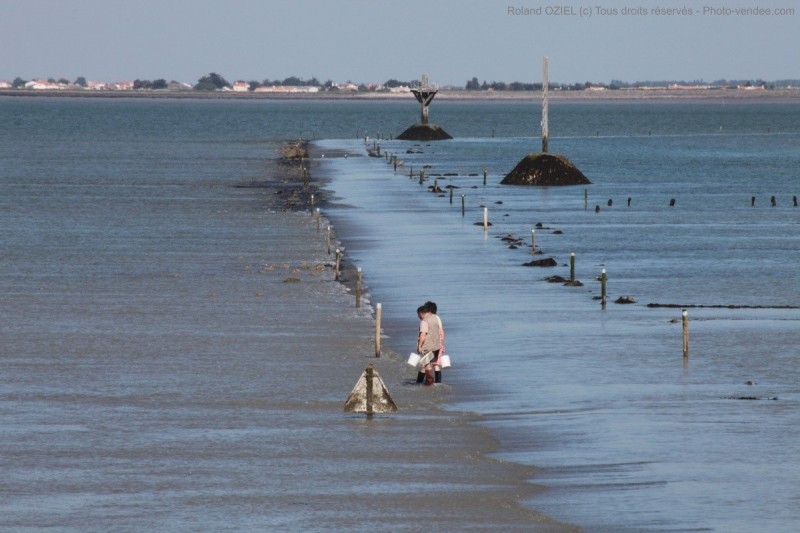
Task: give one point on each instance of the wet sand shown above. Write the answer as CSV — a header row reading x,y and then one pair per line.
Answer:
x,y
422,468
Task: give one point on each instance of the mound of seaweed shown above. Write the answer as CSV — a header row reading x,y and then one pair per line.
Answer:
x,y
424,132
294,151
545,170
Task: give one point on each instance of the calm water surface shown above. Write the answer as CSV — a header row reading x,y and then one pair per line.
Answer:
x,y
627,436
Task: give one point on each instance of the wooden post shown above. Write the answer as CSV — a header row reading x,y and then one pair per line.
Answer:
x,y
685,319
585,199
358,286
572,266
421,176
545,83
463,204
378,309
379,150
369,389
603,289
484,176
485,219
411,171
533,242
394,162
317,213
336,269
451,196
329,240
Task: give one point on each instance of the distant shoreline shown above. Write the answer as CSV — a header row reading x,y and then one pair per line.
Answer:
x,y
637,95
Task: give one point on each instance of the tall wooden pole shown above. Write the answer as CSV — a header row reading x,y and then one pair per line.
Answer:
x,y
545,84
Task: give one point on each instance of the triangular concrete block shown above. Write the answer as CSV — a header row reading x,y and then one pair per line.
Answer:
x,y
370,395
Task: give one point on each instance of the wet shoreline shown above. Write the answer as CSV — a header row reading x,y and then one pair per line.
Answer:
x,y
445,454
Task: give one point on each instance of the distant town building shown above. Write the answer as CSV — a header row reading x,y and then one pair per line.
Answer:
x,y
241,86
123,86
751,87
5,85
42,85
676,87
287,89
346,86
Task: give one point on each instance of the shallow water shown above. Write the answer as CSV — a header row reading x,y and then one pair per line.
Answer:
x,y
176,354
145,382
628,436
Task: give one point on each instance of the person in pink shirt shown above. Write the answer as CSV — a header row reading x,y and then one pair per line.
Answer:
x,y
437,368
428,344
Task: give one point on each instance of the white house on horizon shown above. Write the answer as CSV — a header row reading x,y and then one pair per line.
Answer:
x,y
44,85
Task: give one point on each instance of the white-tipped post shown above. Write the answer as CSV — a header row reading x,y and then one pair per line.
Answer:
x,y
572,266
685,320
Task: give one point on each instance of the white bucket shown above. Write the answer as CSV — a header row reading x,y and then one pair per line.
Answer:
x,y
413,359
445,361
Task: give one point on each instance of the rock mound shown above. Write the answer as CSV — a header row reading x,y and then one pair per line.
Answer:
x,y
545,170
424,132
548,262
294,150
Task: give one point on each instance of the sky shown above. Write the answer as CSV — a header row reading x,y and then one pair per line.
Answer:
x,y
376,40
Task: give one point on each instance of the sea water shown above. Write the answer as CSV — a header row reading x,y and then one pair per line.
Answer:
x,y
626,433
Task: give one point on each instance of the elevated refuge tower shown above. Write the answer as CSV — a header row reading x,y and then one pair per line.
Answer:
x,y
424,96
424,130
545,169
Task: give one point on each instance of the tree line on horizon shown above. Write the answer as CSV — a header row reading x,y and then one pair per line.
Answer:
x,y
216,82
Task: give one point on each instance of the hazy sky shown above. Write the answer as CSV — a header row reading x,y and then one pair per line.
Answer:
x,y
375,40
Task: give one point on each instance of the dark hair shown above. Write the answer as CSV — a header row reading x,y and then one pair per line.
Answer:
x,y
431,306
422,309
